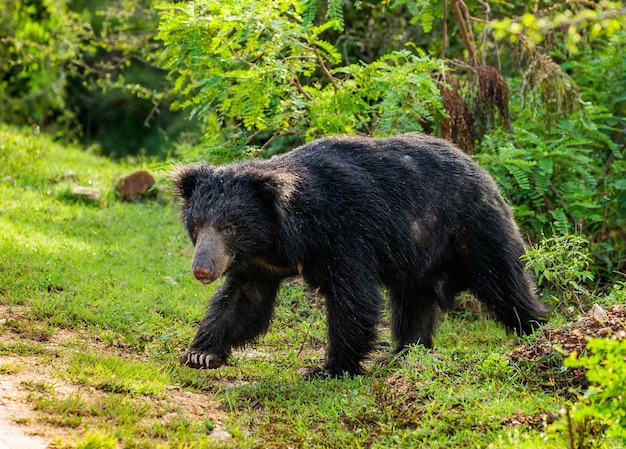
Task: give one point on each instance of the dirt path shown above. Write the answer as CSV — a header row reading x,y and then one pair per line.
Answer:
x,y
12,409
25,379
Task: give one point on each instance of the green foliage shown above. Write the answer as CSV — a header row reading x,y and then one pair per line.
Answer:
x,y
569,178
40,40
254,74
334,13
569,32
422,11
264,77
562,262
80,69
600,412
547,179
601,75
578,22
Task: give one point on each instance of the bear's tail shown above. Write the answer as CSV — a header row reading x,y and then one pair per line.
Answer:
x,y
497,277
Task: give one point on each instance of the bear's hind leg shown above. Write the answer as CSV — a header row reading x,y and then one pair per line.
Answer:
x,y
352,312
415,313
239,312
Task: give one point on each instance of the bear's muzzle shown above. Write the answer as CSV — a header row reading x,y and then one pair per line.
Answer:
x,y
210,258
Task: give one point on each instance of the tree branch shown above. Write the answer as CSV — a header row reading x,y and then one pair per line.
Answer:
x,y
469,44
330,77
444,39
296,83
485,30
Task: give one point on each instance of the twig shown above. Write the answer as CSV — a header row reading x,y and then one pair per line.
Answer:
x,y
330,77
570,430
155,110
485,30
271,139
464,35
296,82
468,21
306,336
444,39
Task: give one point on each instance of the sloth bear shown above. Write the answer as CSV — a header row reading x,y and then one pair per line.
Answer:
x,y
411,214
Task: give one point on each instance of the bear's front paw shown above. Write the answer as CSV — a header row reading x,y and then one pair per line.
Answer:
x,y
313,372
201,360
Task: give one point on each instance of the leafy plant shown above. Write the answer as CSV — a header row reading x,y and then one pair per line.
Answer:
x,y
600,412
562,262
40,40
256,75
564,180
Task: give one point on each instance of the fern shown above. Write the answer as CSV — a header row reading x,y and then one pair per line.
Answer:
x,y
329,49
335,14
310,10
428,18
316,31
545,167
520,175
422,11
561,223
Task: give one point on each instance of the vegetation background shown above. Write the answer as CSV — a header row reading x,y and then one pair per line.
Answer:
x,y
98,296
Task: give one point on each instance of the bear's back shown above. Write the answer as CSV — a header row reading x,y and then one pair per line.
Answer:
x,y
409,164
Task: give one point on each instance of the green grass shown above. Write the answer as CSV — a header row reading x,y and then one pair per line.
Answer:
x,y
100,296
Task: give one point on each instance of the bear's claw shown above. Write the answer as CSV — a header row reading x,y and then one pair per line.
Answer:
x,y
314,372
201,360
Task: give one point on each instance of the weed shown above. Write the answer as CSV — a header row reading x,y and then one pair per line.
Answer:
x,y
601,410
22,348
37,386
562,261
113,374
97,440
31,330
62,412
11,368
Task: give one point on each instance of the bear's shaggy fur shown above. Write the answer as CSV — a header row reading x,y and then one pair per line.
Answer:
x,y
412,214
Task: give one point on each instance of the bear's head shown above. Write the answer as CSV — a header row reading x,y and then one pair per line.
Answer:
x,y
232,213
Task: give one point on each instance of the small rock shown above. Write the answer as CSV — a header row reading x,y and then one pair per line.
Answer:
x,y
221,436
88,193
599,314
135,185
170,280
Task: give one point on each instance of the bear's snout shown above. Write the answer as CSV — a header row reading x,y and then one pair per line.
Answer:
x,y
203,275
210,258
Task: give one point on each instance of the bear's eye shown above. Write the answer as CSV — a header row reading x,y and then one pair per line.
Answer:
x,y
194,232
228,229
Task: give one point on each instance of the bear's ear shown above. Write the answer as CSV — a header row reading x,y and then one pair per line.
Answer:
x,y
184,178
276,187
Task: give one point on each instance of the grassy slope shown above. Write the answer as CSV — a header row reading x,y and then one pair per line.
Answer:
x,y
115,278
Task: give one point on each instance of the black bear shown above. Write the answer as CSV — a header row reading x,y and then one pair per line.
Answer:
x,y
411,213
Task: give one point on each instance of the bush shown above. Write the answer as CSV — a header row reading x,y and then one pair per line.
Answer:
x,y
600,412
